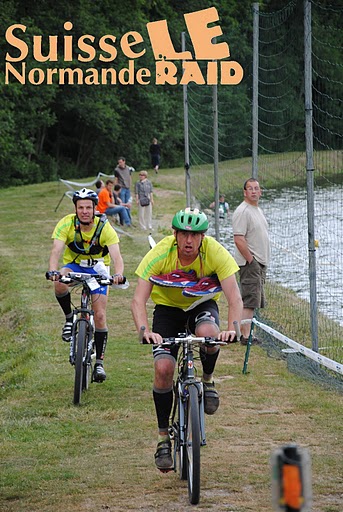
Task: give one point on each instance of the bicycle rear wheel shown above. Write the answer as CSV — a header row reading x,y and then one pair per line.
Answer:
x,y
87,364
87,375
81,352
193,445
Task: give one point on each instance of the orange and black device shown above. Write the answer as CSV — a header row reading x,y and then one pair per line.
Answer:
x,y
291,479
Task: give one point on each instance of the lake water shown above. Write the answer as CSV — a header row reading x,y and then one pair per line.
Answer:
x,y
286,212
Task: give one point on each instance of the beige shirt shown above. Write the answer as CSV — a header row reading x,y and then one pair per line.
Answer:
x,y
249,221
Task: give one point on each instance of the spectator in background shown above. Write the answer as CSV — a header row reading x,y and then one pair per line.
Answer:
x,y
144,200
98,186
223,207
250,231
119,202
108,206
155,152
122,174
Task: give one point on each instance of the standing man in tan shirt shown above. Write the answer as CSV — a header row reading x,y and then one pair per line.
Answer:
x,y
250,230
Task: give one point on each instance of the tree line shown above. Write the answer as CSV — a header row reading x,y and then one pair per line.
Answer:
x,y
51,131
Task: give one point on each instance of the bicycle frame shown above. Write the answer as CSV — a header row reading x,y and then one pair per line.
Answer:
x,y
81,344
187,421
188,416
84,314
187,376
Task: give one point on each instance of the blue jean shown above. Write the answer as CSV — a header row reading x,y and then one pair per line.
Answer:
x,y
122,212
125,195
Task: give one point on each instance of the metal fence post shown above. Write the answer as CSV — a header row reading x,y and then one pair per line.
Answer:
x,y
254,173
186,132
310,172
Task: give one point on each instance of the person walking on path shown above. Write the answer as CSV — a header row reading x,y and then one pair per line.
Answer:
x,y
252,251
155,152
144,200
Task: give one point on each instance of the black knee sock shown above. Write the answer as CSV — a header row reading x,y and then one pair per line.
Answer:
x,y
65,303
100,340
163,405
208,361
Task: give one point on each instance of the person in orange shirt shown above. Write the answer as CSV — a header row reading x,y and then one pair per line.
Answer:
x,y
108,206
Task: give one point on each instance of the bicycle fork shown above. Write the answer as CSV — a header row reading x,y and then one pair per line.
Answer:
x,y
190,372
199,385
90,329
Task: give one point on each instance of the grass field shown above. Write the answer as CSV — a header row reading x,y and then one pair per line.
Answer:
x,y
99,456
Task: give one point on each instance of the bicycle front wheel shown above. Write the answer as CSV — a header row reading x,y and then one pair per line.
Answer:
x,y
193,445
81,351
181,448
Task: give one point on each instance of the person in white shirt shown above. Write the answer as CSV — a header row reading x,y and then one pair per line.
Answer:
x,y
250,230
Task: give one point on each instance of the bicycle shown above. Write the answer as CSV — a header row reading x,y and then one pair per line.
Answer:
x,y
187,421
81,344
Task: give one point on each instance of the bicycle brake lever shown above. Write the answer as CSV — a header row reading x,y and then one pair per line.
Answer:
x,y
141,335
51,273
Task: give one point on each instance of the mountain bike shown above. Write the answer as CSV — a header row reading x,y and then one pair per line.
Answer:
x,y
81,344
187,421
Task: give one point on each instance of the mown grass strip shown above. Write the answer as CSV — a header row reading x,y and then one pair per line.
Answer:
x,y
99,456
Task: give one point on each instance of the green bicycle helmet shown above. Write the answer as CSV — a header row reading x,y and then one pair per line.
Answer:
x,y
190,219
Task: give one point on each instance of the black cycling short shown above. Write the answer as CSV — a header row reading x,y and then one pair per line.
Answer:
x,y
170,322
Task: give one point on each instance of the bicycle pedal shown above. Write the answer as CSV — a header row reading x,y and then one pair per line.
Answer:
x,y
166,470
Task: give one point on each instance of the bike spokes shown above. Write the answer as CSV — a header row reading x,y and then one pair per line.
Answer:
x,y
193,445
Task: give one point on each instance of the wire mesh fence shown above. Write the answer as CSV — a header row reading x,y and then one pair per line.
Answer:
x,y
282,171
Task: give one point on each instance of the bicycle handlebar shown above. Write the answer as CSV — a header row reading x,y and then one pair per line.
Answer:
x,y
82,277
184,337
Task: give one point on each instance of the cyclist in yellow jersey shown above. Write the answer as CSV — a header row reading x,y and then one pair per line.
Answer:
x,y
184,275
85,240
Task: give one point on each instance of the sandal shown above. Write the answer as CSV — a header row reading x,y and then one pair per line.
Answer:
x,y
67,331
